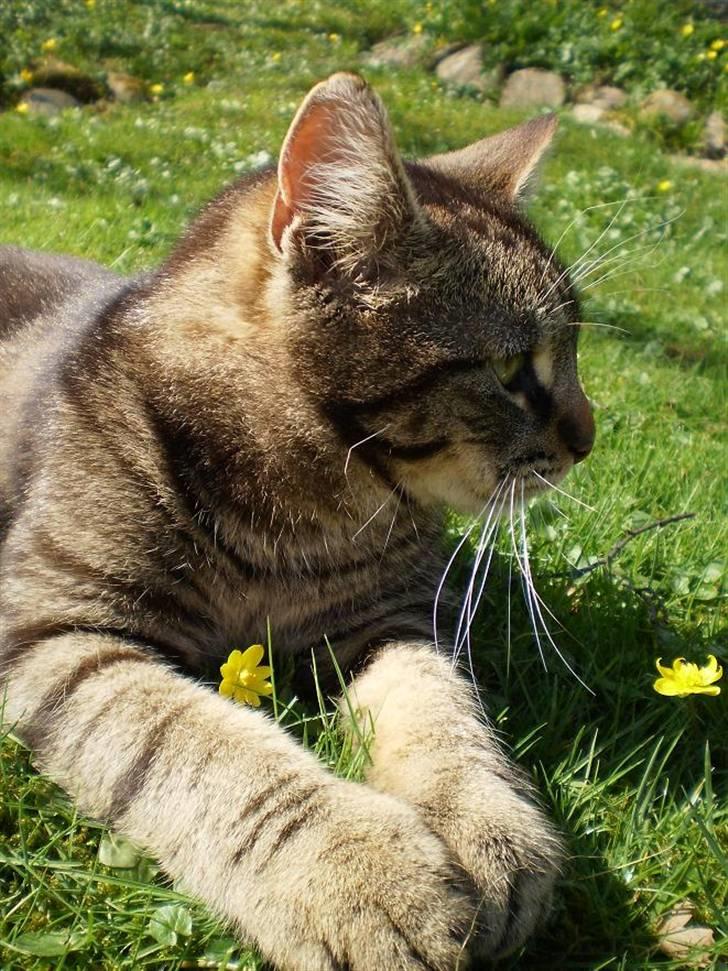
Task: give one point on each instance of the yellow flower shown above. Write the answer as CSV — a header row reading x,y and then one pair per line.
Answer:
x,y
49,45
664,185
711,55
243,678
700,56
275,56
687,29
602,12
417,28
156,89
616,24
90,4
686,678
26,75
22,108
334,38
718,45
188,78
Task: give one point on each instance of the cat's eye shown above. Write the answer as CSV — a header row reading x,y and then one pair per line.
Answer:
x,y
506,368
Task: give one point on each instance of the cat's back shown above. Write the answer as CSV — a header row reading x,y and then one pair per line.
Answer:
x,y
46,302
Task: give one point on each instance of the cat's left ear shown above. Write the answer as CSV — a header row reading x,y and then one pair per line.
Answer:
x,y
343,194
503,163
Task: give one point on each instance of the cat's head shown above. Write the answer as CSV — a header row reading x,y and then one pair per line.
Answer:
x,y
432,326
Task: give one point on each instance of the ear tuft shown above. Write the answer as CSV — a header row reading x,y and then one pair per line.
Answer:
x,y
340,178
502,163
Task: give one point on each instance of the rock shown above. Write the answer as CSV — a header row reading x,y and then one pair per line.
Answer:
x,y
464,67
617,127
668,104
717,165
603,95
400,52
125,87
60,76
48,101
714,135
533,88
587,114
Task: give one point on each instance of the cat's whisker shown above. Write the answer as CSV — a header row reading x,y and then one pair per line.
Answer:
x,y
582,212
400,489
537,602
562,492
525,573
618,271
374,515
362,441
620,244
446,572
474,606
596,323
577,262
576,265
488,528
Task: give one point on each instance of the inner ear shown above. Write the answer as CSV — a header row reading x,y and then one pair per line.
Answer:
x,y
503,163
340,178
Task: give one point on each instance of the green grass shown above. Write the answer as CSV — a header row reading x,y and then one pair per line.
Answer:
x,y
637,782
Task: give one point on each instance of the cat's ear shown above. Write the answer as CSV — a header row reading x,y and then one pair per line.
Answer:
x,y
342,190
502,163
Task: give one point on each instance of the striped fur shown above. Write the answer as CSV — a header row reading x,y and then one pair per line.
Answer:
x,y
267,427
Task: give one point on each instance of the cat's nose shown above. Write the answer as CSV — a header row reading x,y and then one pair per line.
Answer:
x,y
576,429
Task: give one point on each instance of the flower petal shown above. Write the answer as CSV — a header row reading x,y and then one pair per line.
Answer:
x,y
668,687
252,657
263,671
226,689
251,698
707,689
665,672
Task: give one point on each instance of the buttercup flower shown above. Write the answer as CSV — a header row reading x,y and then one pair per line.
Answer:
x,y
156,89
718,45
664,185
49,45
188,78
244,678
686,678
22,108
616,24
711,55
687,29
417,28
26,75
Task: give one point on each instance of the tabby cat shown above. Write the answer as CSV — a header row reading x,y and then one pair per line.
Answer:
x,y
186,454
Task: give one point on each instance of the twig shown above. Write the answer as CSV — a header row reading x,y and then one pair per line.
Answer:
x,y
631,534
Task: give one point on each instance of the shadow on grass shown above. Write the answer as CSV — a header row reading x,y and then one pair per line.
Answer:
x,y
625,747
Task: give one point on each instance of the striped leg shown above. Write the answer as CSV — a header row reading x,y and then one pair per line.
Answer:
x,y
320,873
431,748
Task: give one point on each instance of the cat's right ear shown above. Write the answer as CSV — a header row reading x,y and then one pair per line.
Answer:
x,y
343,194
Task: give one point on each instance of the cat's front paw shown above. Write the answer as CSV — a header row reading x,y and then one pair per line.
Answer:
x,y
510,851
365,886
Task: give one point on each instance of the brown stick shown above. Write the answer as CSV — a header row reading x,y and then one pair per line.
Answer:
x,y
631,534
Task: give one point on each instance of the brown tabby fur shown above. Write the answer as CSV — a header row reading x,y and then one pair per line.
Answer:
x,y
187,454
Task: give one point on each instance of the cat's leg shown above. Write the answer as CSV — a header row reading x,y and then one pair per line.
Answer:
x,y
321,873
430,746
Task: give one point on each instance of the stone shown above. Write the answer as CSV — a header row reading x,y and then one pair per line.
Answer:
x,y
48,101
669,104
587,114
464,68
716,165
714,135
533,88
401,52
605,96
60,76
125,87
